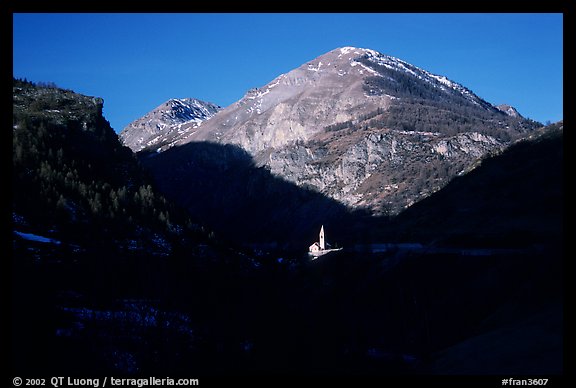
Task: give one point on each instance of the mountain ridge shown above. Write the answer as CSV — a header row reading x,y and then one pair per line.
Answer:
x,y
345,122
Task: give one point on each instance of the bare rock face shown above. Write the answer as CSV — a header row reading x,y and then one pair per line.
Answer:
x,y
162,125
384,171
509,110
366,129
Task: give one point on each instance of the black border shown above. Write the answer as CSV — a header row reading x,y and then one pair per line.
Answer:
x,y
491,6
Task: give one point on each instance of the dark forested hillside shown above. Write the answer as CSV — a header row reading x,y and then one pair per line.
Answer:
x,y
74,180
514,199
95,247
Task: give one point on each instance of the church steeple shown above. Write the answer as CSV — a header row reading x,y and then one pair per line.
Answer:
x,y
320,248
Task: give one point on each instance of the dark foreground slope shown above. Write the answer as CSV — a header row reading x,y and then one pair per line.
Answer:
x,y
207,309
484,298
492,279
88,229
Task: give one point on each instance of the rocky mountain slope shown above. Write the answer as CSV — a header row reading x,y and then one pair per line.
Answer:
x,y
160,126
368,130
343,85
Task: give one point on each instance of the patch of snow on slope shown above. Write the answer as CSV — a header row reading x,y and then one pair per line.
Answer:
x,y
37,238
345,50
317,68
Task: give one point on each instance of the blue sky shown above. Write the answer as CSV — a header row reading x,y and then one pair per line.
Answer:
x,y
138,61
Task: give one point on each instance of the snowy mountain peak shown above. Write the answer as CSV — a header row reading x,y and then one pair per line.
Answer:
x,y
182,110
350,61
353,50
328,90
159,126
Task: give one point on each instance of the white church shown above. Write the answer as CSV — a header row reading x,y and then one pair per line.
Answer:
x,y
320,247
